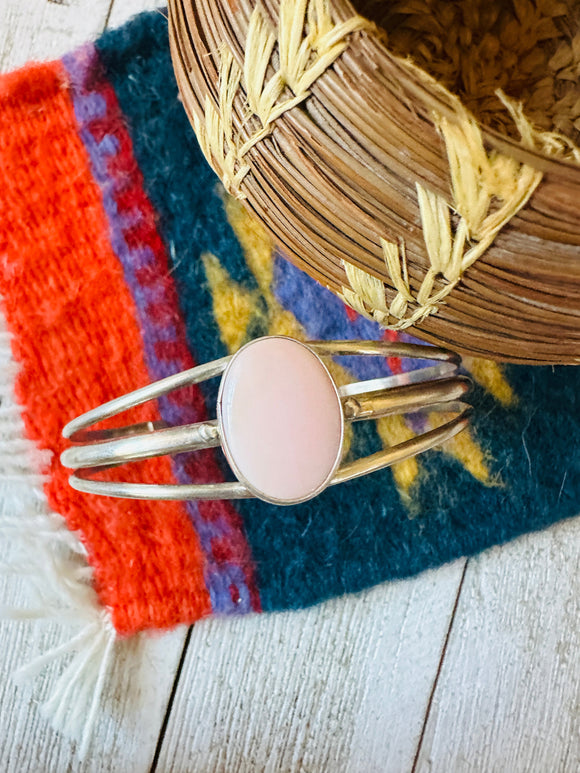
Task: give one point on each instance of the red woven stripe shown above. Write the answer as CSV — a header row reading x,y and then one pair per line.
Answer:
x,y
394,363
77,342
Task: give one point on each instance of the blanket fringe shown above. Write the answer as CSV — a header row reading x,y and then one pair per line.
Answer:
x,y
57,577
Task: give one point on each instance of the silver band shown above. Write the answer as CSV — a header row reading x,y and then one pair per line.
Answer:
x,y
437,387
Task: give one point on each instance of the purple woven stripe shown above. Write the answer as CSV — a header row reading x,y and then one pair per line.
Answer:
x,y
137,244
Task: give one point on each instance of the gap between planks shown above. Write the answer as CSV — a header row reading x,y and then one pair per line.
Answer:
x,y
439,667
171,701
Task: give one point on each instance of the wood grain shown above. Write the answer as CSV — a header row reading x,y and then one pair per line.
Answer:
x,y
131,715
339,687
123,10
38,29
508,698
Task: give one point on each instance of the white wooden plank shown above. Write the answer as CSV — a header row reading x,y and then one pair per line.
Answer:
x,y
508,697
129,720
37,29
123,10
340,687
401,673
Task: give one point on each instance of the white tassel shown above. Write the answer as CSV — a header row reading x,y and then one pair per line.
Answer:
x,y
53,562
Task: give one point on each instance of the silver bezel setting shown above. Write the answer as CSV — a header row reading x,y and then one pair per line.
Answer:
x,y
223,436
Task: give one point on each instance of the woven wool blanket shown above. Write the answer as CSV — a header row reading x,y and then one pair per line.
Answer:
x,y
123,261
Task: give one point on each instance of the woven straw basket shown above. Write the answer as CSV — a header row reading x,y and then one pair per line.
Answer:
x,y
378,180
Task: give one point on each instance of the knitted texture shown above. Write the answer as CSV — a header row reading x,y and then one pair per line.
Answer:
x,y
123,261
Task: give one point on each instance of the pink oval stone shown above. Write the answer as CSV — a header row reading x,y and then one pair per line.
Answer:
x,y
281,420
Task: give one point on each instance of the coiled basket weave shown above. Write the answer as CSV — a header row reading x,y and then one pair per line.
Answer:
x,y
386,149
